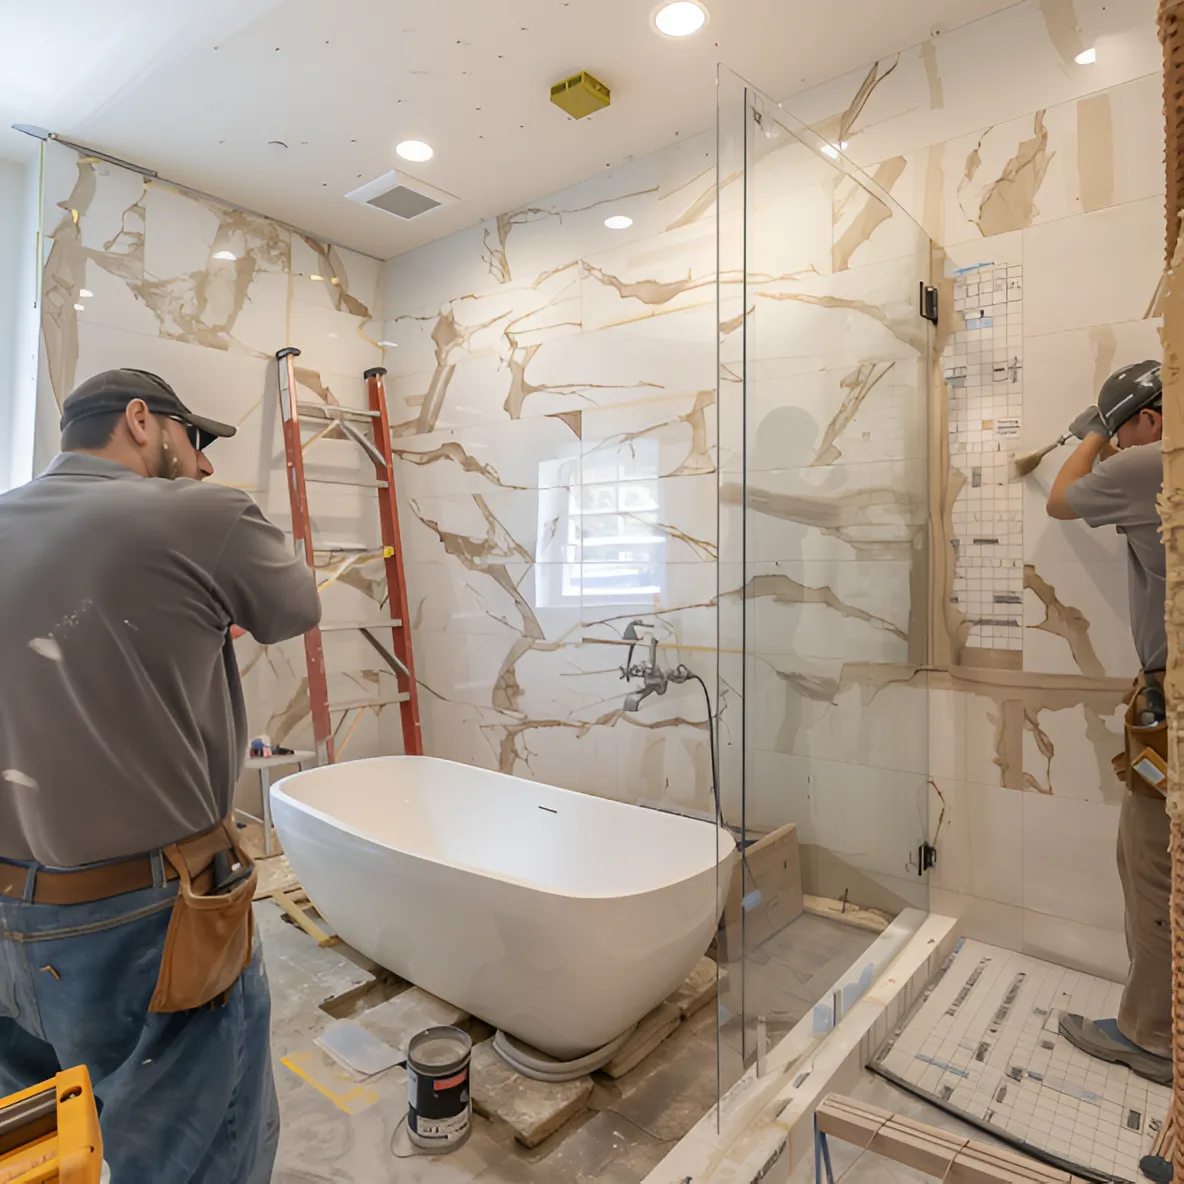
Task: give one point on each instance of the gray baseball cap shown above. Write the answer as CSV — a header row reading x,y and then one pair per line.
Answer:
x,y
113,390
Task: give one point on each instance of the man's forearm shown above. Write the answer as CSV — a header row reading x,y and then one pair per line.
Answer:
x,y
1080,464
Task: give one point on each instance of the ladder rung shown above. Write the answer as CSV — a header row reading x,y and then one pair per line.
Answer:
x,y
342,626
354,704
342,548
332,411
344,481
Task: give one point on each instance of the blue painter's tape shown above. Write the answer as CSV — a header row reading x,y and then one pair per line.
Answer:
x,y
973,267
751,900
824,1019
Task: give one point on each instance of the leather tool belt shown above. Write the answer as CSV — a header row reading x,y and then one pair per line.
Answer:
x,y
210,934
81,885
1139,738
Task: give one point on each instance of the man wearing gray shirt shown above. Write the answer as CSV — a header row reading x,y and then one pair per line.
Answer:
x,y
1119,487
122,734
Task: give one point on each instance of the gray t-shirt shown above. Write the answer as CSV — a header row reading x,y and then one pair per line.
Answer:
x,y
122,726
1122,492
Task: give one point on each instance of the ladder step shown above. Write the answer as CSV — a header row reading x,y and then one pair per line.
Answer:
x,y
323,545
362,484
331,411
355,704
342,626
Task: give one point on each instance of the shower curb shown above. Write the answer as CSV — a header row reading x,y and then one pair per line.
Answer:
x,y
766,1126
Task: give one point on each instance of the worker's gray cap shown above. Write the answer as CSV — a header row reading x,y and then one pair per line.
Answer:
x,y
113,390
1128,391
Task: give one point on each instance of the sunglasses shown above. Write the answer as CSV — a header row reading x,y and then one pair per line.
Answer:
x,y
199,439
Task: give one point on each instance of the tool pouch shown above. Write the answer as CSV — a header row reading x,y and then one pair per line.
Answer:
x,y
209,940
1140,737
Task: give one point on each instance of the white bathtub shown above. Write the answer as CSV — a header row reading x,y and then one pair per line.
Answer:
x,y
560,917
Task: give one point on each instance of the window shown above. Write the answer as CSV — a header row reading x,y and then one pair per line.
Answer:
x,y
600,530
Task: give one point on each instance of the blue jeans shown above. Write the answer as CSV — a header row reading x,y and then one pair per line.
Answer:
x,y
184,1098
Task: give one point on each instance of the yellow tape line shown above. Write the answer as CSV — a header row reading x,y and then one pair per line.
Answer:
x,y
352,1100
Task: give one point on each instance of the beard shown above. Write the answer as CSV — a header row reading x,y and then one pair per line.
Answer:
x,y
166,464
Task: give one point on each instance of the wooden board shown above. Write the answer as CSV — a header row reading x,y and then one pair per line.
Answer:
x,y
871,920
929,1149
275,875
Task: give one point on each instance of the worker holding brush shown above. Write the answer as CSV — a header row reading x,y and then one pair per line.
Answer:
x,y
126,932
1113,478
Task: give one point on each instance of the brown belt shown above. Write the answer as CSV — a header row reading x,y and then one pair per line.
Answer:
x,y
84,885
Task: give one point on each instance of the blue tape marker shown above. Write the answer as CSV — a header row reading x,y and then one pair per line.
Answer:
x,y
751,900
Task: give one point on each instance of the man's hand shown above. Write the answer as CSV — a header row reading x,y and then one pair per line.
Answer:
x,y
1088,423
1079,464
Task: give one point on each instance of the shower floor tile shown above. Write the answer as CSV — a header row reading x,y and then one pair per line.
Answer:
x,y
984,1044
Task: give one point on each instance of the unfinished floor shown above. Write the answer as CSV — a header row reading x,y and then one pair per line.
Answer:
x,y
785,978
341,1131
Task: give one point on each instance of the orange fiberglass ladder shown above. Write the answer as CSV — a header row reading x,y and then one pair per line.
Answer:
x,y
353,424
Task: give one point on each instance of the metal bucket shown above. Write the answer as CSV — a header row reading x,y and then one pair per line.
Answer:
x,y
439,1106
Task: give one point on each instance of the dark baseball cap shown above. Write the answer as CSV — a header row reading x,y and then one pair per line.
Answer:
x,y
113,390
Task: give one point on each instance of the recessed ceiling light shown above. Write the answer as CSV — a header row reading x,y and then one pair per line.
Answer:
x,y
415,150
618,222
228,255
80,308
681,18
389,344
316,279
833,150
86,293
1087,57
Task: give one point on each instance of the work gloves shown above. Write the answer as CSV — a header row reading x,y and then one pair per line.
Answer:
x,y
1089,421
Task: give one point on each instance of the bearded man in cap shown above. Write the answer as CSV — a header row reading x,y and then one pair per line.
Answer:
x,y
126,936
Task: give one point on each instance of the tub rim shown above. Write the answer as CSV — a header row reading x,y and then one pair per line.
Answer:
x,y
277,789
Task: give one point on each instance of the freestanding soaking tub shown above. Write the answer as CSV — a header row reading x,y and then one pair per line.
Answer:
x,y
560,917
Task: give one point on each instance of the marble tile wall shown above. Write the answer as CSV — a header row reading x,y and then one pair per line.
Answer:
x,y
554,390
547,368
1008,151
136,274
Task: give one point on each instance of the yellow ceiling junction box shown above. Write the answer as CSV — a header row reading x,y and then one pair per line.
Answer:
x,y
581,95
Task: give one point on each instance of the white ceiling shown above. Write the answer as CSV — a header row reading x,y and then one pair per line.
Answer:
x,y
195,89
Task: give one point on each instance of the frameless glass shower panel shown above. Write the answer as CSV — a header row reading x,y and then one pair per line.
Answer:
x,y
824,359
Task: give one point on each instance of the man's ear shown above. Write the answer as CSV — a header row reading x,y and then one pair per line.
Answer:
x,y
136,417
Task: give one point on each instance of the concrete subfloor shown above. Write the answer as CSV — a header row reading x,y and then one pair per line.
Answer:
x,y
338,1130
785,977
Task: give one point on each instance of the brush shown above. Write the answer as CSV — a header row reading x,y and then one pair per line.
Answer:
x,y
1027,463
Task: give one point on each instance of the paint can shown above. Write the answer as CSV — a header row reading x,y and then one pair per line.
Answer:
x,y
439,1106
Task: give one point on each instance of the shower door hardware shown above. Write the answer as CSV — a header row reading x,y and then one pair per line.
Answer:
x,y
926,858
928,302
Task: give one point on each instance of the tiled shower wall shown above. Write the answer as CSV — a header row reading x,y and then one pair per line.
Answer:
x,y
1012,154
555,384
132,278
554,389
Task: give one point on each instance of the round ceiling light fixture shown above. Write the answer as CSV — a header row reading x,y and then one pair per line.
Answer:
x,y
1087,57
680,18
618,222
228,256
415,150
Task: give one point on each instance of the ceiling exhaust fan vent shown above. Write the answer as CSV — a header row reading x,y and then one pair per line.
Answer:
x,y
401,196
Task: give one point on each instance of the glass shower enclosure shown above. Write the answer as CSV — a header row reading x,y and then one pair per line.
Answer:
x,y
824,571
